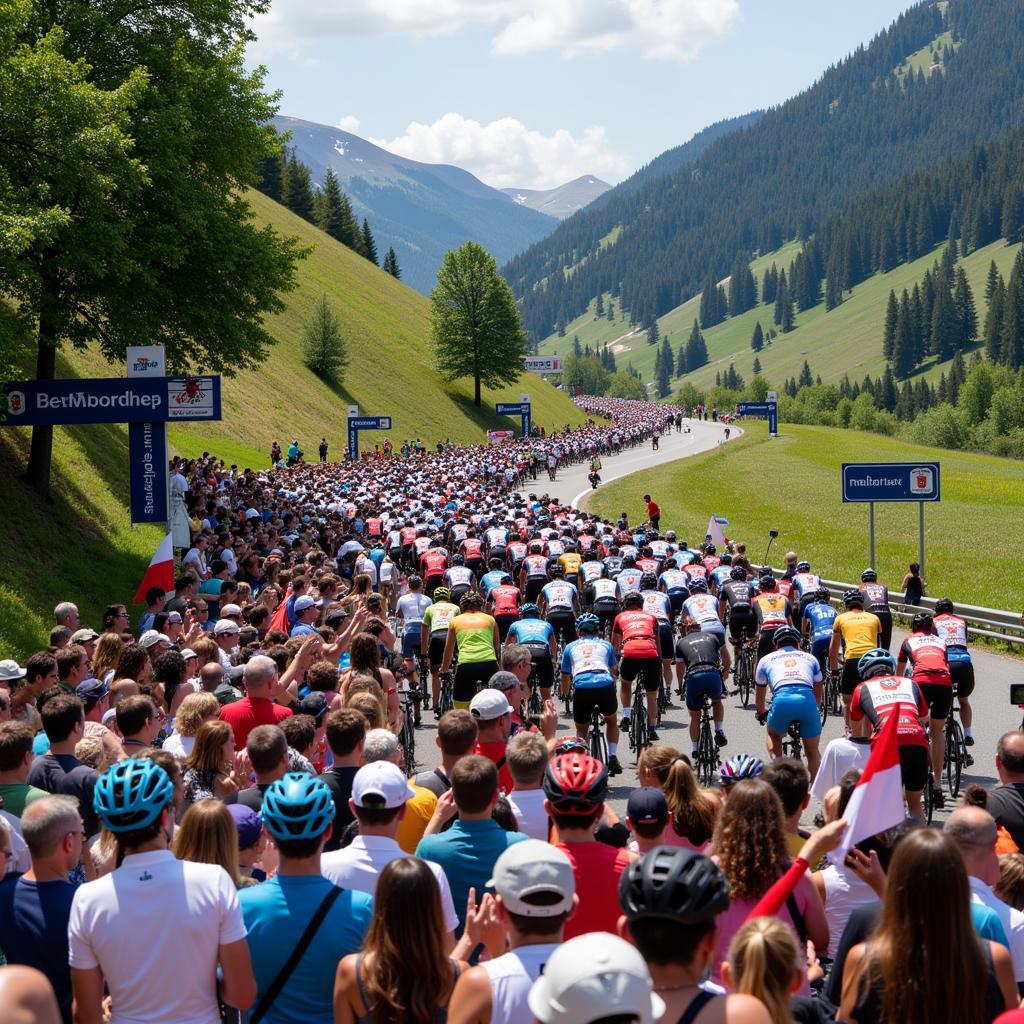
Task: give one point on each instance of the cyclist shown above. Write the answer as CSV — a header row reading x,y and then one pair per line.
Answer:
x,y
806,585
497,543
459,578
635,638
711,560
605,602
411,609
771,611
629,576
476,637
433,565
570,561
702,659
472,550
657,603
534,573
953,630
494,576
816,624
590,570
703,609
613,562
876,601
676,584
589,663
734,606
794,678
882,693
539,638
859,632
926,654
721,574
559,603
436,620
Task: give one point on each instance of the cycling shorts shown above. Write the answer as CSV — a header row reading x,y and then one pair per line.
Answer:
x,y
649,670
666,639
939,698
606,609
459,592
742,624
534,585
962,674
765,646
542,665
714,626
562,620
914,767
850,677
707,681
676,599
584,701
504,622
795,704
470,678
435,652
411,639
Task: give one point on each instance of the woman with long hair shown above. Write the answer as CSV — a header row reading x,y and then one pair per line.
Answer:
x,y
209,769
364,659
692,811
924,961
765,962
403,975
107,655
362,587
749,846
208,835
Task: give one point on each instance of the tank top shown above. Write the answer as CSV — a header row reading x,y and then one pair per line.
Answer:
x,y
844,893
511,976
370,1017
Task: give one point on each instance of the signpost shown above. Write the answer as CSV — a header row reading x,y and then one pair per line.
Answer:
x,y
769,409
542,364
357,423
147,446
520,409
892,482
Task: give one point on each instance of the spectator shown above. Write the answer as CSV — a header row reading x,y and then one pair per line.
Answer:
x,y
1006,801
647,818
692,811
765,963
193,711
207,835
257,707
493,715
346,738
457,733
209,769
527,755
26,996
139,722
792,782
15,762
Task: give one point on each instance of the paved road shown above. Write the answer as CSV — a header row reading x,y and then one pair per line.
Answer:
x,y
994,672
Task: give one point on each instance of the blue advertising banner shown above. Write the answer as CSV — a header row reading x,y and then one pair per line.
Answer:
x,y
147,462
357,423
890,481
522,410
110,400
769,409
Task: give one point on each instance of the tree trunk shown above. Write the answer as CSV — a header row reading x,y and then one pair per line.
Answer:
x,y
476,389
37,472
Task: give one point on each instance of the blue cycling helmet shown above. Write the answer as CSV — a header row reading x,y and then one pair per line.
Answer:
x,y
298,806
803,566
878,658
698,585
786,635
530,611
131,795
742,766
588,623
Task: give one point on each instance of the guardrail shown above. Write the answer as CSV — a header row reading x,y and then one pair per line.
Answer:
x,y
991,623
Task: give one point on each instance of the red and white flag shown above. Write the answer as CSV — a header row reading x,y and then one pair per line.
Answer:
x,y
160,572
877,800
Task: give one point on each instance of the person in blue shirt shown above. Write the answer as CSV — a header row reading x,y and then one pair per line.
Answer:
x,y
493,578
534,633
306,615
816,625
298,811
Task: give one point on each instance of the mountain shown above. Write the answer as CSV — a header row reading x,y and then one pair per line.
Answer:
x,y
421,210
563,201
942,77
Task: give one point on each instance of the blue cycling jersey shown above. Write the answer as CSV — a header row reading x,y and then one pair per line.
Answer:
x,y
590,662
821,617
492,579
531,631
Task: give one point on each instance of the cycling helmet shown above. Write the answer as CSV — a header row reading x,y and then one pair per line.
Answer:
x,y
648,581
786,635
647,551
628,562
575,784
767,583
297,806
670,536
868,576
634,599
803,566
415,581
458,558
878,659
652,534
571,745
556,571
944,606
726,559
506,580
709,549
131,795
442,594
536,548
823,594
852,597
588,623
698,585
471,599
495,563
742,766
921,623
530,611
737,572
675,884
570,546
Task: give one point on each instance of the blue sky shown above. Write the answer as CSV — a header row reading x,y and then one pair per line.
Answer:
x,y
532,93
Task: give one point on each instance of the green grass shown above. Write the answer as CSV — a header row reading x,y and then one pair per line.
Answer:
x,y
82,547
925,59
792,484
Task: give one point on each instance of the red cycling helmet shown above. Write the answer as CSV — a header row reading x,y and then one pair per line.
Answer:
x,y
575,783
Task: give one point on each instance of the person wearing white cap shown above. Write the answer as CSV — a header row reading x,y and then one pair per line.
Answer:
x,y
536,895
379,795
493,714
592,977
10,672
155,643
306,614
225,634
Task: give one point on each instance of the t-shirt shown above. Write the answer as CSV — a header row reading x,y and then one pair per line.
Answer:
x,y
494,751
474,635
590,662
840,756
788,669
860,632
822,617
511,976
276,914
597,868
339,782
1006,805
244,715
413,607
528,807
419,809
156,909
534,632
64,773
18,795
438,617
772,610
700,652
34,930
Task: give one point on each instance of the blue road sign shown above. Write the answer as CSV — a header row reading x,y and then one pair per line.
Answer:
x,y
769,409
890,481
357,423
520,409
110,400
147,462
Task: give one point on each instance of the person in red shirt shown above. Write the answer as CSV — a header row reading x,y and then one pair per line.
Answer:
x,y
433,564
575,787
257,707
653,511
503,604
635,638
493,715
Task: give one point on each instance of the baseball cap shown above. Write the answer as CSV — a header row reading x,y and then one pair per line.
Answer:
x,y
489,704
174,617
10,670
151,637
187,652
84,636
647,806
384,781
503,681
251,513
533,867
230,609
590,974
302,603
92,689
225,626
315,705
248,823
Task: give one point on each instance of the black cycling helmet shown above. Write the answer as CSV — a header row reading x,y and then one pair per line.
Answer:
x,y
767,583
853,597
556,571
648,581
709,549
737,572
803,566
415,581
628,562
944,606
634,599
823,594
675,884
786,635
868,576
458,558
922,623
495,563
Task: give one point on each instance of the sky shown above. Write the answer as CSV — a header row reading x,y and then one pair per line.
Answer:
x,y
534,93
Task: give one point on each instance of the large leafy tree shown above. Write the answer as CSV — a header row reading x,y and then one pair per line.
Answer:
x,y
475,321
128,135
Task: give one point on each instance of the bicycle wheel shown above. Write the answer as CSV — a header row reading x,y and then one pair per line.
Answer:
x,y
706,754
638,722
597,744
823,708
927,800
955,756
746,677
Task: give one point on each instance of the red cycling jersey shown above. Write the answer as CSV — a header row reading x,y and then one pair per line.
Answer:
x,y
433,563
712,562
639,631
408,535
373,527
472,547
506,600
952,629
926,653
647,565
879,698
696,569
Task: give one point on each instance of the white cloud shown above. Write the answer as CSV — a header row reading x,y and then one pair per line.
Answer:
x,y
505,153
349,123
657,29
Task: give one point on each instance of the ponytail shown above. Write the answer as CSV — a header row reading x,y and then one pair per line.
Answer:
x,y
764,960
693,811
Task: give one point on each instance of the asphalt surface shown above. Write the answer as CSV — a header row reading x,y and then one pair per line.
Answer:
x,y
993,713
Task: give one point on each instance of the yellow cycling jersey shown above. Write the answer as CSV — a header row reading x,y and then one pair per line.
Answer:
x,y
570,562
860,632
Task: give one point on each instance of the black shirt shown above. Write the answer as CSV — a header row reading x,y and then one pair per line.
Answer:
x,y
339,782
700,651
737,595
1006,805
64,773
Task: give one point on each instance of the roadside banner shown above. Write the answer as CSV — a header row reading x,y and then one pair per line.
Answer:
x,y
496,436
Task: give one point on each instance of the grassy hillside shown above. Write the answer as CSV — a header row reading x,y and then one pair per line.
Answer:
x,y
792,484
82,547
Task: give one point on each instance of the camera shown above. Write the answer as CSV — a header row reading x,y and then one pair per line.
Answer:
x,y
773,533
1017,693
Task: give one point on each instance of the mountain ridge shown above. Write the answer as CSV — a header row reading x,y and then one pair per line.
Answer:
x,y
563,200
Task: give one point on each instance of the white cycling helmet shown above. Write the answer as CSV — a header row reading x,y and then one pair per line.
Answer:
x,y
590,976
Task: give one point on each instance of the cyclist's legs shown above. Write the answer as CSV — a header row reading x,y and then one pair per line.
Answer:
x,y
962,673
812,748
435,652
914,770
939,699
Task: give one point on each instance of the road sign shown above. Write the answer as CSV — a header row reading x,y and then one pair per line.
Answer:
x,y
769,409
521,409
890,481
543,364
32,403
773,396
357,423
147,446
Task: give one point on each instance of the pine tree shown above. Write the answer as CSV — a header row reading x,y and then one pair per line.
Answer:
x,y
577,348
994,320
272,171
369,246
324,349
599,306
888,391
756,368
1013,214
769,285
757,339
696,349
957,375
782,299
917,328
298,189
391,263
664,373
611,311
653,334
681,359
963,302
991,281
1011,348
329,214
709,305
945,329
787,315
889,327
722,301
806,380
833,293
903,348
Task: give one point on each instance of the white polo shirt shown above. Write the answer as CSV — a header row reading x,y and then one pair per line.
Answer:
x,y
153,911
528,807
1012,919
358,866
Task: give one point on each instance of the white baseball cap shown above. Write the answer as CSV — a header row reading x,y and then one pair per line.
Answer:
x,y
230,609
591,975
10,670
489,704
383,781
533,867
225,626
151,637
303,602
